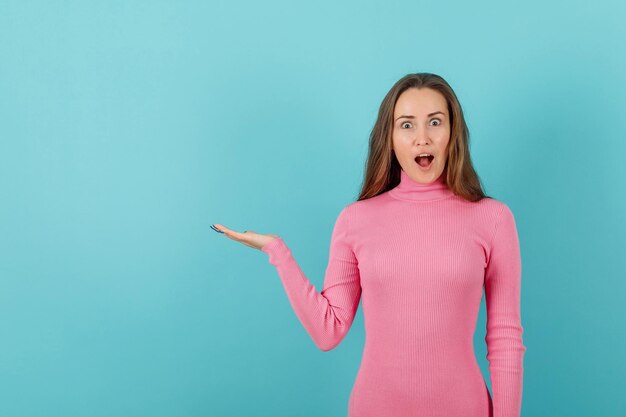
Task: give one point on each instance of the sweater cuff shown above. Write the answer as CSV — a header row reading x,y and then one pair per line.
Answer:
x,y
277,250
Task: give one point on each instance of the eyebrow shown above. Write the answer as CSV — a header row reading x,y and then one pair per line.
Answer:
x,y
413,117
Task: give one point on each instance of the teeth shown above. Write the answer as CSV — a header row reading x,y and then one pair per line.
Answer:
x,y
424,154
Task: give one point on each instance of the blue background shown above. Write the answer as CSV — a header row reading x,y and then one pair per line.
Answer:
x,y
128,127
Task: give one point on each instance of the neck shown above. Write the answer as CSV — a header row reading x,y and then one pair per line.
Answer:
x,y
409,189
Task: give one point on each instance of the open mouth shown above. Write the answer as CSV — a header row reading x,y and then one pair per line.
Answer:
x,y
424,161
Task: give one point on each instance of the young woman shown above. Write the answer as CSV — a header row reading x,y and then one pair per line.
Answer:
x,y
418,246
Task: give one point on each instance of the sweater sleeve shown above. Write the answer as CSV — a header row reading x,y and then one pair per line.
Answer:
x,y
326,315
505,348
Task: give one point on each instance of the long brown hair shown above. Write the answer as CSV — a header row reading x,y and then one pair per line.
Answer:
x,y
382,169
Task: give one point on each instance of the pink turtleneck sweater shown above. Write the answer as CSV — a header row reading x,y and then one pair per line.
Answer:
x,y
419,257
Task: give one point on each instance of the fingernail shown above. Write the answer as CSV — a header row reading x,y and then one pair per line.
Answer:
x,y
216,229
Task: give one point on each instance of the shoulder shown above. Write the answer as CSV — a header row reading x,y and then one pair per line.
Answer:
x,y
502,211
354,212
349,211
365,209
502,223
492,215
494,208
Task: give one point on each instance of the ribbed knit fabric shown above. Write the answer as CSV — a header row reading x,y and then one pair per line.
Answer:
x,y
419,257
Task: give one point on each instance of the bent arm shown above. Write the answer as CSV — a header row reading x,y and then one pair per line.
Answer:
x,y
326,315
505,348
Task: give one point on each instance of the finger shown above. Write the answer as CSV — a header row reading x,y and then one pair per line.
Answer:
x,y
233,234
222,229
216,229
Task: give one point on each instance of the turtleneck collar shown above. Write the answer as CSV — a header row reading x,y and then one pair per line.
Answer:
x,y
408,189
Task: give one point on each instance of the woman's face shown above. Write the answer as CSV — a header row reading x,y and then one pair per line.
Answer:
x,y
421,124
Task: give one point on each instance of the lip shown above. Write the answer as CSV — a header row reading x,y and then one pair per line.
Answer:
x,y
417,156
427,168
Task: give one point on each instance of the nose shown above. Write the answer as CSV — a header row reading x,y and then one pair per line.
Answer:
x,y
421,136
